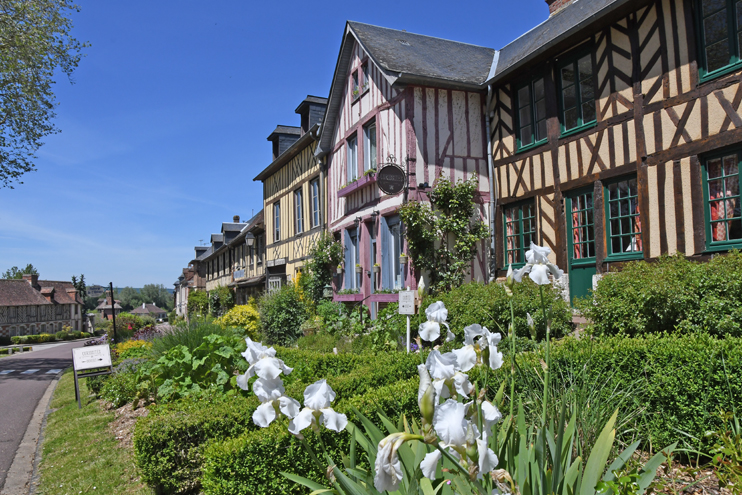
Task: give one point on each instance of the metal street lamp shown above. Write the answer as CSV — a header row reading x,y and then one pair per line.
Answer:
x,y
327,292
250,239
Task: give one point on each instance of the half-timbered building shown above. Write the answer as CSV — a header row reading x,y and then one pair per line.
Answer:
x,y
616,134
405,99
292,195
31,306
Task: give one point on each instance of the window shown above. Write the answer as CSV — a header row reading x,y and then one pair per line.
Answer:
x,y
364,73
577,93
720,29
531,116
276,221
581,224
369,147
314,188
624,223
352,159
392,271
298,211
520,231
356,87
722,201
352,258
259,241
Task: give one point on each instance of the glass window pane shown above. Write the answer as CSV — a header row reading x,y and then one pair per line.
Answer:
x,y
588,111
568,97
714,168
711,6
587,92
717,55
525,115
526,135
585,66
715,27
538,89
568,75
541,130
524,96
570,119
540,109
730,165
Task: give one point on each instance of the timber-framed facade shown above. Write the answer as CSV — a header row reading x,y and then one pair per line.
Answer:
x,y
638,107
293,191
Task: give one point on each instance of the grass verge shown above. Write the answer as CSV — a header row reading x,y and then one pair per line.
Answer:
x,y
80,453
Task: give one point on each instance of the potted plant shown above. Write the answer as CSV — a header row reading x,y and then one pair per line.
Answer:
x,y
359,268
377,268
340,269
402,259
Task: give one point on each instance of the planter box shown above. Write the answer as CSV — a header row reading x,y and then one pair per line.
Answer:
x,y
387,298
347,297
359,184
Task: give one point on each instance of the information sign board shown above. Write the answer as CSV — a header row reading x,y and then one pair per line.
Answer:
x,y
407,302
391,179
91,357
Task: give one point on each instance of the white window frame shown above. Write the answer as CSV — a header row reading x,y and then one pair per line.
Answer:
x,y
352,167
369,162
276,221
314,188
298,211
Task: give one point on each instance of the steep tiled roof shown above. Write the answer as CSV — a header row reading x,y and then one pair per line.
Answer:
x,y
19,293
148,309
423,56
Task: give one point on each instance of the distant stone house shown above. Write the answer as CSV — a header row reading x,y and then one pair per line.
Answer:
x,y
32,306
149,310
110,307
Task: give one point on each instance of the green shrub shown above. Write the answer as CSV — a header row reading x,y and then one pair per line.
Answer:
x,y
120,387
190,335
5,351
671,294
250,464
170,441
320,342
489,305
61,336
198,303
128,322
282,314
33,339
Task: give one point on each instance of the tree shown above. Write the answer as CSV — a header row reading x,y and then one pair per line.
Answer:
x,y
82,289
442,239
128,297
198,303
16,273
36,42
156,294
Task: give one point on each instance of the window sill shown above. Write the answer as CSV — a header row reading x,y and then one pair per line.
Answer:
x,y
356,185
719,247
578,130
529,147
624,257
720,72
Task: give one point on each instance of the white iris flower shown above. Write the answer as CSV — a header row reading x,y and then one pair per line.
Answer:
x,y
431,329
317,399
538,266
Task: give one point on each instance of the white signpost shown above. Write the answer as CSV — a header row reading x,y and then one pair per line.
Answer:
x,y
94,357
407,307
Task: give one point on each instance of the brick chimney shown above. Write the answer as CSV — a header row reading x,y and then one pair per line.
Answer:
x,y
557,5
109,298
33,280
236,219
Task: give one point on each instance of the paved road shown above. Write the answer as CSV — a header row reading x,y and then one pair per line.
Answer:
x,y
23,381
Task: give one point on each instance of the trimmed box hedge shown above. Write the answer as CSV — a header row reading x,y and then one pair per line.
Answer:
x,y
169,442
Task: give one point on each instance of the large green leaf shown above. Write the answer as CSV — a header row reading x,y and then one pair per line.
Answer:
x,y
312,485
598,457
649,471
620,461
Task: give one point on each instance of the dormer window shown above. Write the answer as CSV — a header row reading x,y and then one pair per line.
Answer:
x,y
364,73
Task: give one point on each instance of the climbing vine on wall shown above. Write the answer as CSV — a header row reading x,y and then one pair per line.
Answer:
x,y
442,236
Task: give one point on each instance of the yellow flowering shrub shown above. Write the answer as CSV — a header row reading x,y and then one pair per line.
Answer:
x,y
244,316
133,349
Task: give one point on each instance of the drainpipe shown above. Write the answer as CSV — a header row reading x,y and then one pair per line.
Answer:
x,y
492,184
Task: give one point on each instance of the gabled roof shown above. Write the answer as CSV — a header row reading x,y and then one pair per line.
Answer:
x,y
424,58
232,227
217,238
205,254
19,293
287,155
566,22
405,58
146,310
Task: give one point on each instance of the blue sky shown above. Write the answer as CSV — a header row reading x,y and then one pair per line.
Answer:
x,y
166,124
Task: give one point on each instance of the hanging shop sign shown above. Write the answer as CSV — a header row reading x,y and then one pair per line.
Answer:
x,y
391,179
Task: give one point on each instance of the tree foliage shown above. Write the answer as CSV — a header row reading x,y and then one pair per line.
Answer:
x,y
324,256
36,42
18,273
198,303
128,297
442,239
79,284
158,295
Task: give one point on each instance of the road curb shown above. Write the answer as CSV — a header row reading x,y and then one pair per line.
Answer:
x,y
18,479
